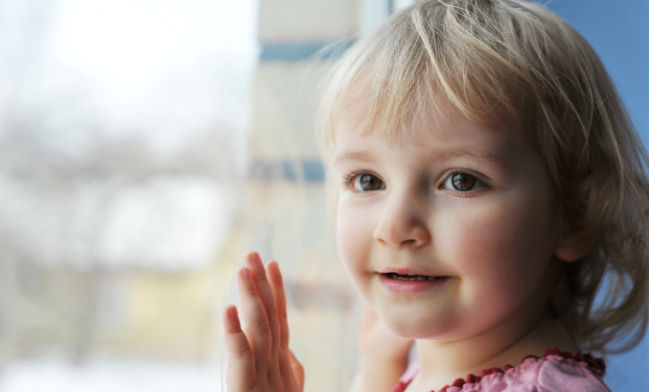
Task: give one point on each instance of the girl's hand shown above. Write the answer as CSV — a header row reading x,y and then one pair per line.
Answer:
x,y
376,341
259,359
383,355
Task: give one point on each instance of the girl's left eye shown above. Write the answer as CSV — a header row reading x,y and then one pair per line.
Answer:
x,y
462,182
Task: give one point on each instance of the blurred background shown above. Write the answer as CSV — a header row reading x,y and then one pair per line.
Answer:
x,y
145,146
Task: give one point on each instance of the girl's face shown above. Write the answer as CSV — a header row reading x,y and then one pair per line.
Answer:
x,y
449,232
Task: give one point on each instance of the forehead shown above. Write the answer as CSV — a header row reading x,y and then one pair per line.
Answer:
x,y
421,118
436,133
397,111
440,137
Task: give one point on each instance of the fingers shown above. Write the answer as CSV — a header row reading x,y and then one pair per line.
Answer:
x,y
241,366
277,283
260,354
267,358
257,326
369,318
266,295
286,367
298,371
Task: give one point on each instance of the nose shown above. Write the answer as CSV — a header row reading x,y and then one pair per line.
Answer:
x,y
402,223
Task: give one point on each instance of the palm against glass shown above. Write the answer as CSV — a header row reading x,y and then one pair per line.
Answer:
x,y
259,357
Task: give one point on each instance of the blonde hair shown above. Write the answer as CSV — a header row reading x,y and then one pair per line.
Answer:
x,y
507,60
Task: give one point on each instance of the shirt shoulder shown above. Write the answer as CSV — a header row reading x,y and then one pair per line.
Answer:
x,y
555,371
559,373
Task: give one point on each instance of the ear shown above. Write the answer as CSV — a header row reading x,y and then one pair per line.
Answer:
x,y
572,247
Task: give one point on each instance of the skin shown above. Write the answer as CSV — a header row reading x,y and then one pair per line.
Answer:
x,y
495,242
259,359
383,355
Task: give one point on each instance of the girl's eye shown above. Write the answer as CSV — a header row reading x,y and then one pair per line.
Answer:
x,y
365,182
462,182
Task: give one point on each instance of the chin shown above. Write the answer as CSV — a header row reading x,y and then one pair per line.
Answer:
x,y
410,328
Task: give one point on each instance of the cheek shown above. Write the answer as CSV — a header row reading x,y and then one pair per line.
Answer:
x,y
352,228
354,241
506,244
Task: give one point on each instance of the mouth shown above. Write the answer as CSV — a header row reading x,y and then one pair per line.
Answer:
x,y
410,282
411,277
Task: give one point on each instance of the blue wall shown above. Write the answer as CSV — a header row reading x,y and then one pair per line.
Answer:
x,y
619,32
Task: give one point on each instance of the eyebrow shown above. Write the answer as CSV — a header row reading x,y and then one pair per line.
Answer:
x,y
354,155
437,155
473,152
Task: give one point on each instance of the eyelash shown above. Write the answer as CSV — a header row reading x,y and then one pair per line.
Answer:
x,y
477,186
348,181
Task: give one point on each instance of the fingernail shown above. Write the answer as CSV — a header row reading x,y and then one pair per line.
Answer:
x,y
232,313
253,255
246,274
233,319
255,260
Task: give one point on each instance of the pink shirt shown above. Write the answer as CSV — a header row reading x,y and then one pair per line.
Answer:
x,y
553,372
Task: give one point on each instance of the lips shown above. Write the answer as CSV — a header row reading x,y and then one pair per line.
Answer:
x,y
408,273
410,281
412,277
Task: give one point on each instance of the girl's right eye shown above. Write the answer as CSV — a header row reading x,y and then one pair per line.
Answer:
x,y
364,182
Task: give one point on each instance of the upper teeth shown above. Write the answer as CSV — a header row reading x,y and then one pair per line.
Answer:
x,y
410,276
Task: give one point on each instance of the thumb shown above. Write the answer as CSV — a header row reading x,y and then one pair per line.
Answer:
x,y
298,370
241,361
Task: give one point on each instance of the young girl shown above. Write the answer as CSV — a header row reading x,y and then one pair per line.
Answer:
x,y
492,207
